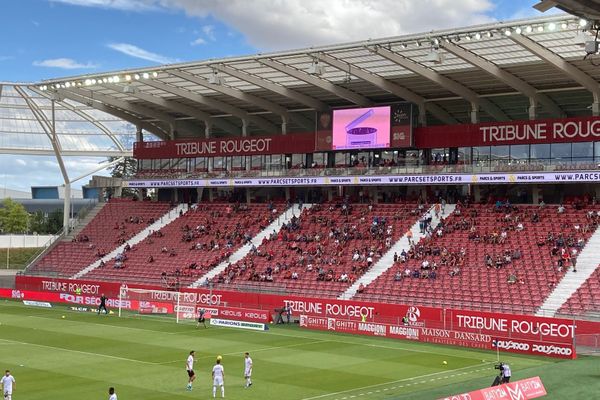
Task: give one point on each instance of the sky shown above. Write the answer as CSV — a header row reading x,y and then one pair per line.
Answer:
x,y
57,38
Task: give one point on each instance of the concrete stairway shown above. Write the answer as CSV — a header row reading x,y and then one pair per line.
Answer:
x,y
587,262
243,251
164,220
387,260
82,223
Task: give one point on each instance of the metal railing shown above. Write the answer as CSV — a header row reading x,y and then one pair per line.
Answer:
x,y
407,169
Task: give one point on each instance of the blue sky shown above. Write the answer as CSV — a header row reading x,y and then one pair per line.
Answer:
x,y
57,38
54,38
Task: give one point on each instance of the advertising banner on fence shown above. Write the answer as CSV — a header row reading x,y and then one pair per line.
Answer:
x,y
439,336
529,327
523,389
228,323
415,179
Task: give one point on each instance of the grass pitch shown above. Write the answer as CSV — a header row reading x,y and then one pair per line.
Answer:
x,y
80,356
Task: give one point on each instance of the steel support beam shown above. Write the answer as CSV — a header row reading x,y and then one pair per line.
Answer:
x,y
443,81
273,87
247,97
157,130
506,77
391,87
216,104
128,106
561,64
167,104
339,91
86,117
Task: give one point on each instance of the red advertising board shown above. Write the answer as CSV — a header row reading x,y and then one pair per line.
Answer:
x,y
439,336
524,389
231,146
530,327
436,325
565,130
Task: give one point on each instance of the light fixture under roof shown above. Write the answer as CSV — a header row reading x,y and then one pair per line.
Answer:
x,y
508,32
551,26
478,36
434,56
215,78
146,75
529,29
540,28
316,69
518,30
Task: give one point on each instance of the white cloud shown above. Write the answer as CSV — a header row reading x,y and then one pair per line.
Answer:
x,y
64,63
198,42
277,24
209,31
6,58
21,162
128,5
299,23
137,52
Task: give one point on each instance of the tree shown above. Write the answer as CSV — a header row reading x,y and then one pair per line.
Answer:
x,y
13,217
124,169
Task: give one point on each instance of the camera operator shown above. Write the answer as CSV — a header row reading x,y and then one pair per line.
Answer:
x,y
505,373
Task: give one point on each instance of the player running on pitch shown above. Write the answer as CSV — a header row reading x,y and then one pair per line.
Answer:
x,y
248,369
218,374
189,366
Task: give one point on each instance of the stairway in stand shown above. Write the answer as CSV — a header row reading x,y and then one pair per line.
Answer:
x,y
243,251
166,219
587,262
387,260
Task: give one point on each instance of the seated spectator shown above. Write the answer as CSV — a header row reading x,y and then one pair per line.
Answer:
x,y
398,276
102,264
455,271
361,288
150,259
512,279
407,272
561,209
295,275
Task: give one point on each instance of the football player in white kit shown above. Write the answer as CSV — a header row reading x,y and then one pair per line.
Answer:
x,y
189,367
248,369
218,374
8,384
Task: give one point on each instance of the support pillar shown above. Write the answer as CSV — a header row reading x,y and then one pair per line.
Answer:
x,y
532,109
207,129
284,123
248,196
139,135
244,128
596,105
287,193
200,192
67,209
422,115
474,113
210,194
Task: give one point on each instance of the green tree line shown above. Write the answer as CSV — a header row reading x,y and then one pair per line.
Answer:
x,y
14,218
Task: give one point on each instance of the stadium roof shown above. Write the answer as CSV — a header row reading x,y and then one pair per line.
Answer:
x,y
26,126
500,71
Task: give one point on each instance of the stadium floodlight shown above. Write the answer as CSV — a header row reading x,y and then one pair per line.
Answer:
x,y
468,37
529,29
478,36
489,34
434,56
403,45
316,68
116,79
418,44
508,32
88,82
518,30
68,84
136,77
110,79
216,79
146,75
584,23
155,74
540,28
128,78
104,80
551,26
564,25
93,81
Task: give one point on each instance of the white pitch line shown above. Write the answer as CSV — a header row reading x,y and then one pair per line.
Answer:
x,y
388,383
78,351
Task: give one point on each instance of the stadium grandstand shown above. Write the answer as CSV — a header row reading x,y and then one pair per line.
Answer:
x,y
449,170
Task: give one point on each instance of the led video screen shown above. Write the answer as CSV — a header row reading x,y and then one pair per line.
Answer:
x,y
361,128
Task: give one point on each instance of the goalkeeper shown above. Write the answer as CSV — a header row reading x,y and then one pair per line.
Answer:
x,y
201,318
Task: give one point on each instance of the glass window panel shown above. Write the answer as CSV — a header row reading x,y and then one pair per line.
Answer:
x,y
560,151
583,150
481,153
519,152
597,151
464,155
540,151
500,153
